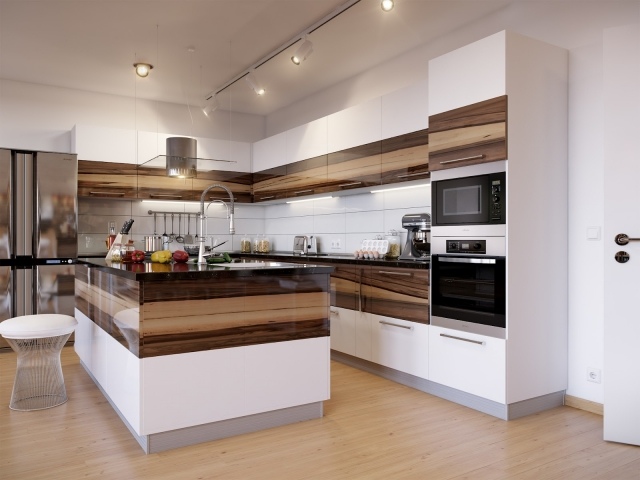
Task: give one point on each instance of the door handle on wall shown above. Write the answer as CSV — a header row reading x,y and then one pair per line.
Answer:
x,y
623,239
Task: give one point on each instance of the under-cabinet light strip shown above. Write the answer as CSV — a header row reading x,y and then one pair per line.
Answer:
x,y
308,199
399,188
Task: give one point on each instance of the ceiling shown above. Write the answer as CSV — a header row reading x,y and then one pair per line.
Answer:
x,y
92,44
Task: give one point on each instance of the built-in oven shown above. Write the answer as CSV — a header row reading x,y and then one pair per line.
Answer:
x,y
468,285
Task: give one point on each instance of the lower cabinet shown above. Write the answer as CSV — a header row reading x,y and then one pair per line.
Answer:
x,y
469,362
392,342
400,344
343,330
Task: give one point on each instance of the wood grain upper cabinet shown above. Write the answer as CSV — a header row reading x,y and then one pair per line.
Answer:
x,y
405,157
469,135
107,179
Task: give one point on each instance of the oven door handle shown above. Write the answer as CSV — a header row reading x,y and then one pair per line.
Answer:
x,y
467,260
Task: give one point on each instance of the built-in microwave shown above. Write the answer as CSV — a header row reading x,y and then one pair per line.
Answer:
x,y
469,200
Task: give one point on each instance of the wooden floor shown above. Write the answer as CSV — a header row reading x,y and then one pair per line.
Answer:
x,y
372,429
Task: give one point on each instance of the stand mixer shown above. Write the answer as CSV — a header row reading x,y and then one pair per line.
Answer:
x,y
418,246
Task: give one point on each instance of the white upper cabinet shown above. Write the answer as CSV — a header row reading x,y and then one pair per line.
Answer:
x,y
355,126
214,149
405,111
307,141
104,144
468,75
270,152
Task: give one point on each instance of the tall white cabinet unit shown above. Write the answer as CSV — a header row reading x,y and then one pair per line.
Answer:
x,y
527,371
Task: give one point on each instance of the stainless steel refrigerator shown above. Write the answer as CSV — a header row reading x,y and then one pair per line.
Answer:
x,y
38,233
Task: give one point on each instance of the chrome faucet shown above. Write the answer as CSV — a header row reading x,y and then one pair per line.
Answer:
x,y
230,209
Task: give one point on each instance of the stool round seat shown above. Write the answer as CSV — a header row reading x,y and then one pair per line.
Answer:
x,y
38,340
38,326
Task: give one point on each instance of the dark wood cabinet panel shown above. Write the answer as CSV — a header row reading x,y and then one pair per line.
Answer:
x,y
238,182
405,157
396,292
153,183
107,179
267,184
354,168
469,135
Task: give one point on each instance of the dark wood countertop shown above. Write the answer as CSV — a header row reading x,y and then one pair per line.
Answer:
x,y
153,272
335,259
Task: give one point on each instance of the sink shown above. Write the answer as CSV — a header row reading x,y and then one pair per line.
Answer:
x,y
239,265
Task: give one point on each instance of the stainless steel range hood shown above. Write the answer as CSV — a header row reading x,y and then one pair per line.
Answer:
x,y
181,159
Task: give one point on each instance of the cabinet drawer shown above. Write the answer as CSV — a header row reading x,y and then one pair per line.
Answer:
x,y
396,292
405,157
401,345
472,363
469,135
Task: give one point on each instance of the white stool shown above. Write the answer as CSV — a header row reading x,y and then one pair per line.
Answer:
x,y
38,340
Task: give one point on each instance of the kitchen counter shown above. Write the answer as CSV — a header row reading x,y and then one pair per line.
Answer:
x,y
336,259
189,353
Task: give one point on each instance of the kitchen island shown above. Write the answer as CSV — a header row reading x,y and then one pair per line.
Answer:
x,y
189,353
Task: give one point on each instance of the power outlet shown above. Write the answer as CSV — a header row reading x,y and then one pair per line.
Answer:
x,y
336,244
594,375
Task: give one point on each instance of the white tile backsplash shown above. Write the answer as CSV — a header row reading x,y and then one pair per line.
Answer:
x,y
349,219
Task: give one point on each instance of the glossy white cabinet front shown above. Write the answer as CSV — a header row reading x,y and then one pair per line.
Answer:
x,y
400,344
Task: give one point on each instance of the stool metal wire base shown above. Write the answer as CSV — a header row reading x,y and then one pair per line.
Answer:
x,y
39,383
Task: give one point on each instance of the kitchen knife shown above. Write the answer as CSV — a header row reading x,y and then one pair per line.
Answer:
x,y
127,226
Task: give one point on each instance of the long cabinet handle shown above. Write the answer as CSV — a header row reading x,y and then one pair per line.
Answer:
x,y
303,191
395,325
164,195
407,175
334,312
115,194
404,274
477,342
489,261
267,198
351,184
474,157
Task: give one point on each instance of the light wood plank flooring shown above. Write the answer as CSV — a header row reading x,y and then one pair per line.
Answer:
x,y
372,429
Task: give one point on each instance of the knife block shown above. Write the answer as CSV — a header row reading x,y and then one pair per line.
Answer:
x,y
117,243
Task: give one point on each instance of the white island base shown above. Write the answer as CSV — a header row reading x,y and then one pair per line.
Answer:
x,y
173,401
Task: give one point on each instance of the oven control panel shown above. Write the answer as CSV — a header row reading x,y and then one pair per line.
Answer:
x,y
466,246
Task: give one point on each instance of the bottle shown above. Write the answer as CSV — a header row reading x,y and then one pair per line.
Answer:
x,y
126,252
112,234
393,251
245,245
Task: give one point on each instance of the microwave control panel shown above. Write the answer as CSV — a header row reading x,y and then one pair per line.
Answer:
x,y
497,197
466,246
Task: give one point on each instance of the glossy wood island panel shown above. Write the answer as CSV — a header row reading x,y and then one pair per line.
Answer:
x,y
164,309
188,353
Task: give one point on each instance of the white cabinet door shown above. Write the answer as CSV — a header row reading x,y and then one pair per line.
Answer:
x,y
401,345
468,75
286,374
405,111
307,141
364,336
236,155
343,330
472,363
355,126
103,144
269,152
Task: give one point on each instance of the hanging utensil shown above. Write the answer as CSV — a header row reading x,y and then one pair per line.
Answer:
x,y
155,215
188,238
172,236
165,237
179,238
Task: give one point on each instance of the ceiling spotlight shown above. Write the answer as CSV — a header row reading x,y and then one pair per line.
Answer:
x,y
142,69
211,104
303,52
387,5
254,84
